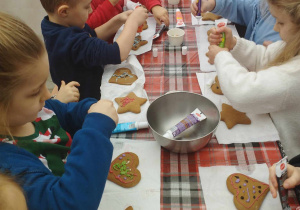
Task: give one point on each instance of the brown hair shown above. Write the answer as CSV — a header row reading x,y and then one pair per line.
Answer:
x,y
19,46
292,47
51,5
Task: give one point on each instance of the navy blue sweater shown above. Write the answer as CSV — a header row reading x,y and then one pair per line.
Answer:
x,y
86,169
77,54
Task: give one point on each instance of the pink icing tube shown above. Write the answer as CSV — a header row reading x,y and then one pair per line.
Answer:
x,y
193,118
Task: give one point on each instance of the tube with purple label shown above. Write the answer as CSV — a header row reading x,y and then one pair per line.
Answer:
x,y
199,8
193,118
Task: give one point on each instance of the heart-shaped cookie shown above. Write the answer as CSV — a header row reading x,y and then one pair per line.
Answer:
x,y
123,76
123,170
248,193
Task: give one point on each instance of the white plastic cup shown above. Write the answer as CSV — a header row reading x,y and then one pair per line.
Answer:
x,y
184,50
176,36
155,52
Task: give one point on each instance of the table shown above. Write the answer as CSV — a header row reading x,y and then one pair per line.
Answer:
x,y
180,182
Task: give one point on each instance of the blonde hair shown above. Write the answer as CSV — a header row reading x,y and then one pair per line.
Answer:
x,y
51,5
292,47
19,46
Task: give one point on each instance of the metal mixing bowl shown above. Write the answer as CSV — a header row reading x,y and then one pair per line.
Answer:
x,y
169,109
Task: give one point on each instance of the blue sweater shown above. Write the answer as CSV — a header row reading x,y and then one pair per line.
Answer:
x,y
249,13
78,55
87,167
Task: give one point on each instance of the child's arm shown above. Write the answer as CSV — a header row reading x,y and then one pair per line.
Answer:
x,y
126,38
160,14
291,182
103,12
108,29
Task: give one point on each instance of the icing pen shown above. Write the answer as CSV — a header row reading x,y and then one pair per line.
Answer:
x,y
198,15
281,176
159,32
179,20
193,118
130,126
219,24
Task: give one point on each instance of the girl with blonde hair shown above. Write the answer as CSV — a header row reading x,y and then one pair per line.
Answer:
x,y
36,144
258,79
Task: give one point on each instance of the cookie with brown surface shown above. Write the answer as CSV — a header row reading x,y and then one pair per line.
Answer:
x,y
123,76
232,117
138,42
130,103
216,87
248,193
123,170
210,16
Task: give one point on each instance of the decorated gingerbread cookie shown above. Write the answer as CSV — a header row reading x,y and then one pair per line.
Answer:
x,y
123,170
129,208
123,76
138,42
216,87
232,116
210,16
145,25
130,103
248,193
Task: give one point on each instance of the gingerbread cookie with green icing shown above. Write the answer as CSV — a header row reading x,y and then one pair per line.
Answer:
x,y
123,170
123,76
130,103
248,193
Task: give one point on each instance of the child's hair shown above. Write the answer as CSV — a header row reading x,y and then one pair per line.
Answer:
x,y
8,187
51,5
292,47
19,46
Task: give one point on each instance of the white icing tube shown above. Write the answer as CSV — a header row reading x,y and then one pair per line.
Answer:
x,y
193,118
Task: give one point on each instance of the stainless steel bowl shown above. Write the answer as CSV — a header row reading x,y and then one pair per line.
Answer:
x,y
169,109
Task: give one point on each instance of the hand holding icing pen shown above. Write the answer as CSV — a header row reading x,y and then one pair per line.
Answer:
x,y
281,176
198,15
130,126
131,6
160,30
179,20
193,118
219,24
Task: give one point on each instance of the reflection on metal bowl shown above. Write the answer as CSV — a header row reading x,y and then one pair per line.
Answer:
x,y
169,109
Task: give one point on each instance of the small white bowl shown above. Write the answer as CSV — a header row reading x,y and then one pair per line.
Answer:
x,y
173,2
175,36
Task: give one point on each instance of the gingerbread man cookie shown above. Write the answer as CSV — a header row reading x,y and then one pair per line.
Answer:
x,y
145,25
123,170
123,76
248,193
138,42
130,103
216,87
210,16
231,116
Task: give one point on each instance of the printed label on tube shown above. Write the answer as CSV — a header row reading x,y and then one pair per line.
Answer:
x,y
179,20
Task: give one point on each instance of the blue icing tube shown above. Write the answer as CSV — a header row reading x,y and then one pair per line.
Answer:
x,y
193,118
130,126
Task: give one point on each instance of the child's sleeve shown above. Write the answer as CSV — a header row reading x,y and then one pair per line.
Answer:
x,y
149,3
102,12
86,170
240,12
71,115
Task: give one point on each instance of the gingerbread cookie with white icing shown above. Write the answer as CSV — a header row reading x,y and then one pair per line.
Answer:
x,y
123,170
138,42
130,103
123,76
248,193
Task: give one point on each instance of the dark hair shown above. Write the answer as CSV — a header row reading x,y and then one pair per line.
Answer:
x,y
51,5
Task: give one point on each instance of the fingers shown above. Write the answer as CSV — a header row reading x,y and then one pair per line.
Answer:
x,y
194,8
62,83
73,83
55,90
166,20
272,181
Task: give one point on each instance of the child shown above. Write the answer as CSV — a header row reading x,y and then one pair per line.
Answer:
x,y
11,193
253,14
75,51
57,172
104,10
260,80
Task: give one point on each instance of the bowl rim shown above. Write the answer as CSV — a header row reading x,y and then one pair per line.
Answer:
x,y
184,140
172,29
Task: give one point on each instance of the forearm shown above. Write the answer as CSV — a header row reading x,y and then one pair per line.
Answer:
x,y
126,39
109,28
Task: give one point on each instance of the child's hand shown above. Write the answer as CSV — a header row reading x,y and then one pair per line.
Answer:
x,y
213,50
68,93
206,6
139,15
292,181
160,15
122,17
215,37
105,107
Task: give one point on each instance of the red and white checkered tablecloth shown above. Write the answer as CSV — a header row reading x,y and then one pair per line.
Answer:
x,y
180,182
